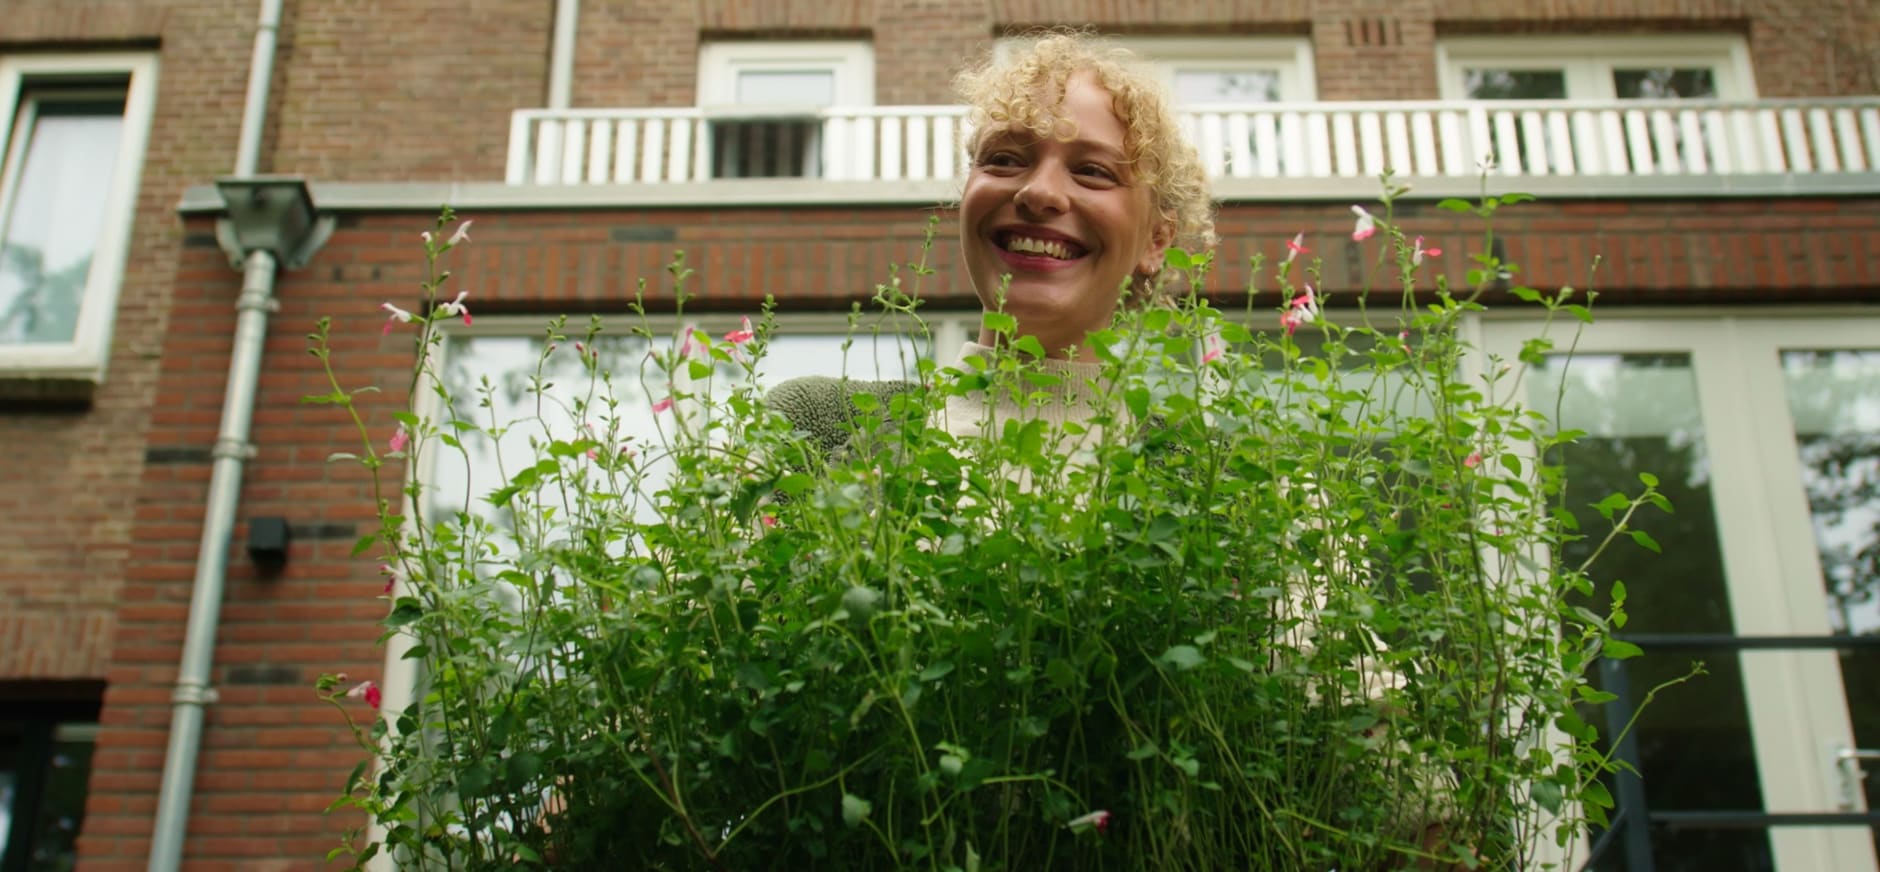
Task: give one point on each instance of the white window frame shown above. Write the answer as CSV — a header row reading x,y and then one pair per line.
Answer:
x,y
84,359
1588,61
719,64
1290,56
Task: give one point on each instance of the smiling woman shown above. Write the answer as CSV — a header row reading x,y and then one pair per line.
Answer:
x,y
1080,180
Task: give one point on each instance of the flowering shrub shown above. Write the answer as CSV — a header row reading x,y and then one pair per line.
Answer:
x,y
1288,602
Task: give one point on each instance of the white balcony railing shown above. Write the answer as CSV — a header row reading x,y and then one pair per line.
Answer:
x,y
1299,140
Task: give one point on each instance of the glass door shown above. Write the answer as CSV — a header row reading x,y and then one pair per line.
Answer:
x,y
1765,434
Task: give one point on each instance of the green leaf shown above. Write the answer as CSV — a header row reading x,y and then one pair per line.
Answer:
x,y
1612,503
1620,649
1137,398
407,611
1177,258
1547,796
1454,205
1648,479
364,543
1594,695
1183,657
1156,321
1029,345
1646,542
936,671
855,809
999,322
341,455
1143,751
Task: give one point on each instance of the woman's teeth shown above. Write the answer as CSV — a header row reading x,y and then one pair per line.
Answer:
x,y
1046,247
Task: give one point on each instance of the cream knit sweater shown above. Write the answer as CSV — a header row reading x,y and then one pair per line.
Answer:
x,y
1073,399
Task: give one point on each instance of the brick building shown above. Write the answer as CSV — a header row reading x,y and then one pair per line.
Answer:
x,y
1721,157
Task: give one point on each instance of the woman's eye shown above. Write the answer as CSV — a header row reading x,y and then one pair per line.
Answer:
x,y
1098,171
1000,159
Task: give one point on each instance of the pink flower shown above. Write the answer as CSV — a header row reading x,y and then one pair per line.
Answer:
x,y
1296,246
662,405
1098,820
392,576
461,236
1302,310
1366,226
742,335
1215,348
367,691
1403,339
1472,461
770,520
397,316
1416,255
456,307
401,439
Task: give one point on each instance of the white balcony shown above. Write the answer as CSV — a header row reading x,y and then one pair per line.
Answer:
x,y
1269,141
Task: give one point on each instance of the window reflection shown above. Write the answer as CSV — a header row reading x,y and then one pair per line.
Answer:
x,y
1834,398
62,165
1640,414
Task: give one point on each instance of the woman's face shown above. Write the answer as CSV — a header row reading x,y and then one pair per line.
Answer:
x,y
1066,219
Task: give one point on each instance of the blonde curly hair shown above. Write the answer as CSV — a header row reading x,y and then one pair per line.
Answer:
x,y
1002,93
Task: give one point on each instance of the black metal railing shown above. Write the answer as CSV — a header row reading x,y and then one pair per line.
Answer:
x,y
1632,816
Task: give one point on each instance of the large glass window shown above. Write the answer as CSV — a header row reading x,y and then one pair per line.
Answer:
x,y
72,131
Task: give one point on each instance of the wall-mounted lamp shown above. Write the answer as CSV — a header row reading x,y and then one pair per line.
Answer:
x,y
267,543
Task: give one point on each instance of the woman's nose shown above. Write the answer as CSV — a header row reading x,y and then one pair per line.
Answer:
x,y
1042,195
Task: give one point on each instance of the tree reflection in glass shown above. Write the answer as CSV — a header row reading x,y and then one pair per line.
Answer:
x,y
1640,414
1834,399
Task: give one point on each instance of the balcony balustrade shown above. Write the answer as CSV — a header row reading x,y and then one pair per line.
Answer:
x,y
1324,140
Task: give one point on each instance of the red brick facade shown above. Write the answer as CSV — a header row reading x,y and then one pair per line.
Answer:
x,y
103,503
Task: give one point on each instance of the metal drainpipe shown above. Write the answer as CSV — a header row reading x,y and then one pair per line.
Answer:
x,y
231,450
561,55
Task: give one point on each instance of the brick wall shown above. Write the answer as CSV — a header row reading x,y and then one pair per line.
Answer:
x,y
69,481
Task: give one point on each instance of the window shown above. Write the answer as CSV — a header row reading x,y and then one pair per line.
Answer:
x,y
1216,84
1237,72
766,100
1595,68
72,132
45,764
1598,69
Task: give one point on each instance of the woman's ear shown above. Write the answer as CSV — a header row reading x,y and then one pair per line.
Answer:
x,y
1160,238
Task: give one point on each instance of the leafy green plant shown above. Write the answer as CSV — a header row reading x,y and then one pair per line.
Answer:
x,y
1287,601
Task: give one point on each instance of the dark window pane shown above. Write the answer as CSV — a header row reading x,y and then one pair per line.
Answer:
x,y
767,149
1664,83
1696,752
1515,84
62,799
